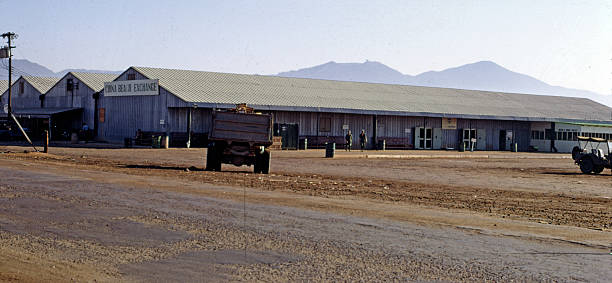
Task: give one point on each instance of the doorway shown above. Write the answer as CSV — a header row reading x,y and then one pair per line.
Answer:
x,y
423,138
289,134
468,138
505,139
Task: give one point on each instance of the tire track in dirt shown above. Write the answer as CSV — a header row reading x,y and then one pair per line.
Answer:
x,y
542,207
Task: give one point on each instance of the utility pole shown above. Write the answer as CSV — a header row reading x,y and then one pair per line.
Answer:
x,y
5,52
9,55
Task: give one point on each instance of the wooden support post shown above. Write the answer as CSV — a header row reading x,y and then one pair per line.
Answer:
x,y
46,142
189,115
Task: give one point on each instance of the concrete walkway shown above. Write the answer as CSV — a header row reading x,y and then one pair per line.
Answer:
x,y
406,154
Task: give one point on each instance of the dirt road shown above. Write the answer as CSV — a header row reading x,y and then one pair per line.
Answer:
x,y
141,215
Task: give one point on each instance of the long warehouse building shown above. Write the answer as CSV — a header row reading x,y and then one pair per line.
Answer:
x,y
158,101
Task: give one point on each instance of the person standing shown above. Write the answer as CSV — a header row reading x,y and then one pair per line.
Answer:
x,y
85,132
349,141
363,139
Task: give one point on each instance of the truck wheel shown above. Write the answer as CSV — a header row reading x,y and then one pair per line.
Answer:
x,y
257,164
576,152
213,161
598,169
211,157
586,165
265,162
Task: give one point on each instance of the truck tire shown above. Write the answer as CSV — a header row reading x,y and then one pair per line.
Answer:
x,y
257,164
210,159
576,152
598,169
213,163
265,162
586,165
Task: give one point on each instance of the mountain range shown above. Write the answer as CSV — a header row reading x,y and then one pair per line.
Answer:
x,y
28,68
483,75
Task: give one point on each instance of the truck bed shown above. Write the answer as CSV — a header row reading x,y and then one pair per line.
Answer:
x,y
252,128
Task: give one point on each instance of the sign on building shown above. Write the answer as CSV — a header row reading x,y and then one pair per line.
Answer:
x,y
131,88
449,123
102,114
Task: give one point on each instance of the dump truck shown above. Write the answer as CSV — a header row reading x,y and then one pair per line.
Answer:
x,y
240,136
592,154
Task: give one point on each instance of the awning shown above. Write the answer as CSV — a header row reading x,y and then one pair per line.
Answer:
x,y
591,139
40,112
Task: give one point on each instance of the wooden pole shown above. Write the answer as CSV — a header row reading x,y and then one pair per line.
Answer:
x,y
189,115
46,142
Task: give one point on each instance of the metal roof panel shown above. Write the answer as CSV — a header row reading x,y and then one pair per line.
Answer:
x,y
271,91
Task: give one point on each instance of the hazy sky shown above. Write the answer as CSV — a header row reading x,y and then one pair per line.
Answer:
x,y
567,43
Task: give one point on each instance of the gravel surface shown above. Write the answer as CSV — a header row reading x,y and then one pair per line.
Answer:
x,y
74,216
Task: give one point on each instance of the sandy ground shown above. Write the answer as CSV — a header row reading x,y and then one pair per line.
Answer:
x,y
153,215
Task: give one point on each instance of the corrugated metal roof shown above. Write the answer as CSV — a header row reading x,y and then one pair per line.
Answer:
x,y
95,81
280,93
3,86
42,84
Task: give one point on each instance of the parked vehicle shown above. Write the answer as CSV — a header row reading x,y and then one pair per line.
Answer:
x,y
592,154
240,137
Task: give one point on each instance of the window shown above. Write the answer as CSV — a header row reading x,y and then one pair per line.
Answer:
x,y
325,124
537,135
21,88
131,77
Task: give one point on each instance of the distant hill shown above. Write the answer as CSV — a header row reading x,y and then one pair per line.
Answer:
x,y
369,71
26,67
484,75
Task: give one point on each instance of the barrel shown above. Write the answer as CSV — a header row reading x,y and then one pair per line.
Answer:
x,y
382,144
127,142
155,141
514,147
461,146
330,149
165,143
74,138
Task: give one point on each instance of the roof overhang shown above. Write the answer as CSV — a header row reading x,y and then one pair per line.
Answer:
x,y
401,113
41,112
